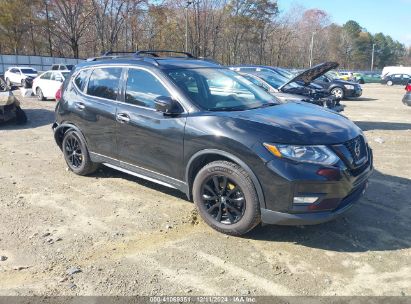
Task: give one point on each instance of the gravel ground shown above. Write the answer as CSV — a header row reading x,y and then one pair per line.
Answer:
x,y
113,234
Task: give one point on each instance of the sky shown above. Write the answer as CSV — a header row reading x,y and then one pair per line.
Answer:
x,y
391,17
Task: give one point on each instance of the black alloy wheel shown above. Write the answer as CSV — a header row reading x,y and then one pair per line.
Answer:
x,y
223,199
73,151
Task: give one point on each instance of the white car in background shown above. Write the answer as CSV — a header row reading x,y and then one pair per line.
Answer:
x,y
18,75
47,84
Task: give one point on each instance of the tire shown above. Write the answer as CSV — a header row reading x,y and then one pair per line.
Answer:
x,y
338,93
78,162
21,117
39,94
235,209
389,83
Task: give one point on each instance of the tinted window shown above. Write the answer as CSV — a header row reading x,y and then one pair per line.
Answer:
x,y
29,71
81,79
143,88
221,89
15,71
67,67
46,76
55,67
104,83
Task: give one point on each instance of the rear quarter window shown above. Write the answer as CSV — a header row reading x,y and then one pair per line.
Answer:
x,y
80,79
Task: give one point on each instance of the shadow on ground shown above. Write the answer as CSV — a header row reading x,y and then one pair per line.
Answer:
x,y
380,221
35,118
377,125
363,99
106,172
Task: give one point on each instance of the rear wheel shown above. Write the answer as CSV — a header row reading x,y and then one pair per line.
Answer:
x,y
338,93
39,94
76,154
21,117
226,198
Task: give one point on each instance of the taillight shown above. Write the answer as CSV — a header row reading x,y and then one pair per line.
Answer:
x,y
58,94
408,87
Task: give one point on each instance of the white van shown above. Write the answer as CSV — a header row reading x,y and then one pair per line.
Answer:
x,y
395,70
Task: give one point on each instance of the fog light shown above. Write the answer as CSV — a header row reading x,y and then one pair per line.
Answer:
x,y
305,199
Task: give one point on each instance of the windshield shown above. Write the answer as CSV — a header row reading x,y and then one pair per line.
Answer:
x,y
276,80
28,71
285,73
220,89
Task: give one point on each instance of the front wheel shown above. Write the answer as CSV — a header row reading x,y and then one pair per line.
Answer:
x,y
338,93
76,154
389,83
226,198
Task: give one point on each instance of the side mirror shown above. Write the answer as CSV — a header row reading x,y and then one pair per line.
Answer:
x,y
167,105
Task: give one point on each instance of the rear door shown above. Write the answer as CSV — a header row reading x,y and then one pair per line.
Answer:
x,y
43,82
405,79
92,96
55,82
146,138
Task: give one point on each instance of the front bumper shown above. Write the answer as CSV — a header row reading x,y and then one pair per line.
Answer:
x,y
357,92
335,188
313,218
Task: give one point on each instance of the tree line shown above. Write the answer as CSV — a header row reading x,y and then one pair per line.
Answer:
x,y
229,31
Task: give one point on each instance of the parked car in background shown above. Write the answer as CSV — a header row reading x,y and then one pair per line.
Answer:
x,y
62,67
358,77
407,97
401,79
22,76
339,88
47,84
241,155
389,70
267,82
371,77
10,109
289,86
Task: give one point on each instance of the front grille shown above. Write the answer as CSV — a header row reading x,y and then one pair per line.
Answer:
x,y
358,149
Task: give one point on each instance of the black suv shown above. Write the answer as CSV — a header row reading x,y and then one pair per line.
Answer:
x,y
190,124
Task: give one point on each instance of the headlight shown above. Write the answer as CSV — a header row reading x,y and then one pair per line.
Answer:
x,y
349,87
308,154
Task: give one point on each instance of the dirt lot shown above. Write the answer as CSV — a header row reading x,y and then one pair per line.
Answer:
x,y
125,236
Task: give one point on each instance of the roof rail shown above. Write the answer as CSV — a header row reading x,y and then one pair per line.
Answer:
x,y
146,55
154,53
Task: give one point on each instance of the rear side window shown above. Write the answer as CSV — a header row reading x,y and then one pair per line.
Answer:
x,y
55,67
81,79
46,76
104,83
143,88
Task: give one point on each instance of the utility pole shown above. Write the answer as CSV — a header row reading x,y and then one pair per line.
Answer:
x,y
372,57
189,2
311,49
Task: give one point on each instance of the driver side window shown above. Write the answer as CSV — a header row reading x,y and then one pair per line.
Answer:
x,y
143,88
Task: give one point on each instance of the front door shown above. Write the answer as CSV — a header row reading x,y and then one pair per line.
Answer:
x,y
147,139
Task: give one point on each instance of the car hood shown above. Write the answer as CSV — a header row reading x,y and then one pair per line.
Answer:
x,y
299,123
309,75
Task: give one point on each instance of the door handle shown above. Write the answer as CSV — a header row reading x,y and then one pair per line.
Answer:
x,y
80,105
123,118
